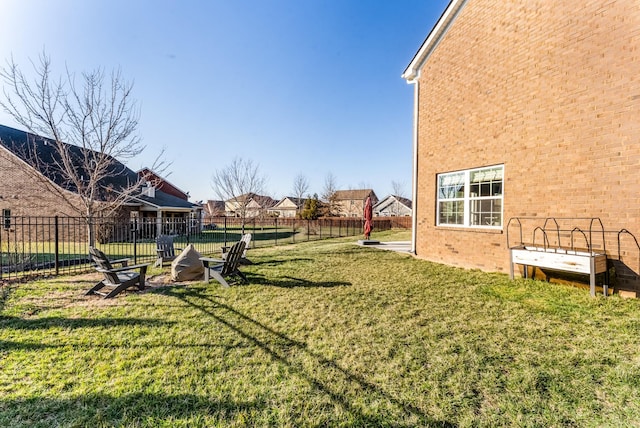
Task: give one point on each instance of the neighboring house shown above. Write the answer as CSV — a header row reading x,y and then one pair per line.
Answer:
x,y
214,209
350,203
162,184
167,201
288,207
525,109
163,213
393,206
255,205
27,163
27,168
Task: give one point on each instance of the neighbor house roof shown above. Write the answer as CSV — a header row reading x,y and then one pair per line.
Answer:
x,y
348,195
162,183
390,199
162,200
41,154
298,202
262,201
214,208
433,39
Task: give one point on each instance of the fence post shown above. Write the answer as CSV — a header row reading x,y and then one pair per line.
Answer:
x,y
135,241
308,230
56,245
276,223
225,231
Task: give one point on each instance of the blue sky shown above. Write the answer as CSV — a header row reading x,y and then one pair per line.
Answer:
x,y
297,86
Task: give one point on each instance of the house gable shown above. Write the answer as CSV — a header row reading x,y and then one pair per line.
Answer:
x,y
546,92
162,184
393,206
350,203
287,207
255,204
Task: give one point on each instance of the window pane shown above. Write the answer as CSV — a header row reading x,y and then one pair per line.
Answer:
x,y
451,186
6,215
451,179
486,212
451,192
451,212
485,189
489,174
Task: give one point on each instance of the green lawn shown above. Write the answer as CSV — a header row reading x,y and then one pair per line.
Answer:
x,y
326,334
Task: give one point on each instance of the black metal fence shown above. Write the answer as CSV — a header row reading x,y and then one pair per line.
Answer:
x,y
40,246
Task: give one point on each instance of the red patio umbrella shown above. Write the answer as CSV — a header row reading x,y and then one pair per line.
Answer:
x,y
368,218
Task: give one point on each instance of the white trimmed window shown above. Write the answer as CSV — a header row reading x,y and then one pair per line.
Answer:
x,y
471,198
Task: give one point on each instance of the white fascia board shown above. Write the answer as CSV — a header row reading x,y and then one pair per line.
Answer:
x,y
386,202
412,72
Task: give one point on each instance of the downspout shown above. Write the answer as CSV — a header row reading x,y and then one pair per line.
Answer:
x,y
414,181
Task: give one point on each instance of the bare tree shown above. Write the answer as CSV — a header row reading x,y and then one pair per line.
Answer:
x,y
398,188
237,184
329,194
91,122
300,188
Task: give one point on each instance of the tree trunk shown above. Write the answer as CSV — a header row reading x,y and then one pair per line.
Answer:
x,y
91,232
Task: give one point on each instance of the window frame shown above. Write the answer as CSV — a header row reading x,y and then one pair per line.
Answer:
x,y
468,199
6,218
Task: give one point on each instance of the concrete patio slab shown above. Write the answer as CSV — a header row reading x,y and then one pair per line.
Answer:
x,y
398,246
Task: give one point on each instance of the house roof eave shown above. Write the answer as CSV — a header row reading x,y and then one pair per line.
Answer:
x,y
162,179
412,72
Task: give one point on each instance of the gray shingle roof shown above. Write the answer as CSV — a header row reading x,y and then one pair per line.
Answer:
x,y
28,147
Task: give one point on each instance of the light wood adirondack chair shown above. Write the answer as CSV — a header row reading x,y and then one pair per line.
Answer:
x,y
116,279
246,238
165,250
229,267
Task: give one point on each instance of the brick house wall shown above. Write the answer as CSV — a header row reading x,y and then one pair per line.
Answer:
x,y
551,90
24,194
350,203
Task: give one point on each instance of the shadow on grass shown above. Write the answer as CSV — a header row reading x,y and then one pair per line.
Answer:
x,y
277,262
325,375
73,323
291,282
137,409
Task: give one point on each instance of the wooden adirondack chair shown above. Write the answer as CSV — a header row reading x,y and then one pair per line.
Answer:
x,y
229,267
165,249
246,238
116,279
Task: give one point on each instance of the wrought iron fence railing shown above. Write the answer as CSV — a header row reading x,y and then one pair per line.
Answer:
x,y
59,245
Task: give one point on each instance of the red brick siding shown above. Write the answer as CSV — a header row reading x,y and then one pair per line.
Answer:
x,y
552,91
